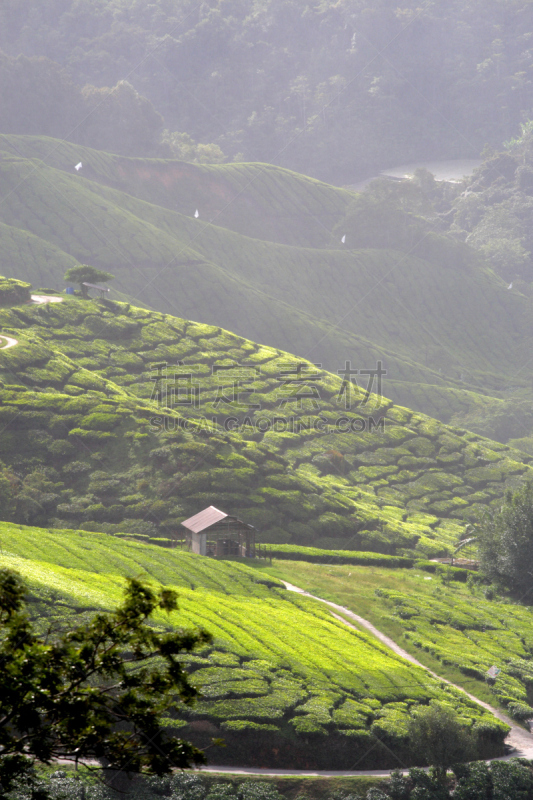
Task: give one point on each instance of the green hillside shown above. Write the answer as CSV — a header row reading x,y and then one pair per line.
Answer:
x,y
312,692
457,630
192,319
128,421
260,260
257,200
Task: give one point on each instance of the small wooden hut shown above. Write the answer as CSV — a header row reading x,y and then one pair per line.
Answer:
x,y
100,289
215,533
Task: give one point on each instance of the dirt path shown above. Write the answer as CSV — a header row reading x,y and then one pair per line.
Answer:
x,y
46,298
518,738
10,342
284,773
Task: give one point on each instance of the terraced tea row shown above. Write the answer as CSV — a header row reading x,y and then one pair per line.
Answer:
x,y
473,640
134,217
103,554
257,200
311,456
453,626
280,666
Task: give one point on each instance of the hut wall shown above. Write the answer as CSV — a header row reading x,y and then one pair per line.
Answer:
x,y
199,543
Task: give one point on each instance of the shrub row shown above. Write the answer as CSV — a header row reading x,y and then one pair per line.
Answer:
x,y
317,556
465,629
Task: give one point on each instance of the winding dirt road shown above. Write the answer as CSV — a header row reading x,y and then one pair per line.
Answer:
x,y
9,342
46,298
519,739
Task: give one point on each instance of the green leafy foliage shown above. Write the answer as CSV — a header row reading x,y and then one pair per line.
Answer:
x,y
98,691
87,274
505,542
235,270
315,555
114,118
437,735
334,109
457,630
13,292
65,785
476,781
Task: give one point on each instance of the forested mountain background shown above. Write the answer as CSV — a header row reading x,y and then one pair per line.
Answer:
x,y
336,90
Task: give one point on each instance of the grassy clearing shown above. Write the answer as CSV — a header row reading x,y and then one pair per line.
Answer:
x,y
450,627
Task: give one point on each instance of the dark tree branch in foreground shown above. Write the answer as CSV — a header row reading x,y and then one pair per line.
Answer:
x,y
97,692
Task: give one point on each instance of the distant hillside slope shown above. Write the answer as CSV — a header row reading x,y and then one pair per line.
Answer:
x,y
312,692
257,200
91,402
436,317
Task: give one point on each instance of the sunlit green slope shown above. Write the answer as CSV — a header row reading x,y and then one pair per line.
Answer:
x,y
310,690
91,402
457,629
23,251
439,319
157,258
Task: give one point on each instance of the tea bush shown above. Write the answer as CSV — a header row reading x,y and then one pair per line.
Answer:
x,y
278,659
384,490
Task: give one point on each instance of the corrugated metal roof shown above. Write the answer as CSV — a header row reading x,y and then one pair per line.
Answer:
x,y
206,518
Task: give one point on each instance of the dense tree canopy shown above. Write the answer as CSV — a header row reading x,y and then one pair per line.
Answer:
x,y
84,273
492,211
477,781
336,90
506,543
437,735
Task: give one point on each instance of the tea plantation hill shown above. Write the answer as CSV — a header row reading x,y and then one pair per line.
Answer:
x,y
257,200
282,672
85,445
450,334
457,629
